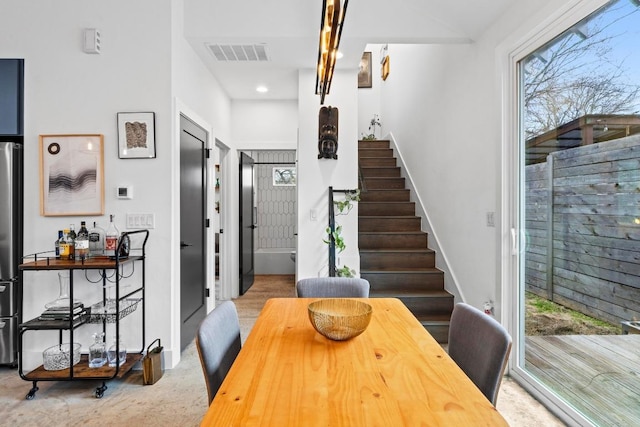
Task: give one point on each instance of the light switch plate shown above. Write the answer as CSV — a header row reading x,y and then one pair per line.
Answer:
x,y
141,220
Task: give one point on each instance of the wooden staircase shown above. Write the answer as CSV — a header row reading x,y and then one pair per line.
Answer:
x,y
394,256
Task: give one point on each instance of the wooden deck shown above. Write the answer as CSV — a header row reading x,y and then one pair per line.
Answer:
x,y
599,375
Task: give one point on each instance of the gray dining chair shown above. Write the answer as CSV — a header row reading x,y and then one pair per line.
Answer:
x,y
480,346
218,342
333,287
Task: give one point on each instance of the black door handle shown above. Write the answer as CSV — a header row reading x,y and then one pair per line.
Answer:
x,y
184,245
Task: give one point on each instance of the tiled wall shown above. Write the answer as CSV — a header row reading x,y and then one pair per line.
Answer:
x,y
276,205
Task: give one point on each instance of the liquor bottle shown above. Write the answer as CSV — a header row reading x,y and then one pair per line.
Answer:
x,y
111,238
57,244
71,241
63,245
96,241
82,242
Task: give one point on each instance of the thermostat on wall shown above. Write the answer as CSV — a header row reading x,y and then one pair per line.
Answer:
x,y
124,192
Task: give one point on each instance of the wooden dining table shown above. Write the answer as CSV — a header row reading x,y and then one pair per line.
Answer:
x,y
393,374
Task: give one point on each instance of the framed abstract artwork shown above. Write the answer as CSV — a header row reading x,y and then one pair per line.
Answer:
x,y
136,136
72,175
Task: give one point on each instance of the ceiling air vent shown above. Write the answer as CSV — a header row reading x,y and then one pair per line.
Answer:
x,y
239,52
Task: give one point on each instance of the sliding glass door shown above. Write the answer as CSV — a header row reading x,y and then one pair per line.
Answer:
x,y
579,217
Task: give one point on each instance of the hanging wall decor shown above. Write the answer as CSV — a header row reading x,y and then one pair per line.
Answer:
x,y
384,61
328,133
364,74
71,175
136,135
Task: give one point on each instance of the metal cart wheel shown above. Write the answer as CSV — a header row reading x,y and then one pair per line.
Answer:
x,y
100,391
32,392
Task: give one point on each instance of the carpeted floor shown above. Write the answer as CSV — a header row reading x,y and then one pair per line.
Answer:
x,y
180,398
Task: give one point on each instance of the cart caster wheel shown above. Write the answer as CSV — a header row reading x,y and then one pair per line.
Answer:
x,y
31,394
100,391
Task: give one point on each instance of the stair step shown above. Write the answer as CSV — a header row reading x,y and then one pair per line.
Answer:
x,y
375,152
386,195
428,304
375,183
378,143
389,223
386,208
396,258
380,171
376,161
431,305
405,280
438,329
405,240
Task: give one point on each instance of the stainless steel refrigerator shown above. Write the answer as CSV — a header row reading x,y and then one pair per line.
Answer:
x,y
11,203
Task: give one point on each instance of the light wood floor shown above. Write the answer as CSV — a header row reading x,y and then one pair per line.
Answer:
x,y
180,397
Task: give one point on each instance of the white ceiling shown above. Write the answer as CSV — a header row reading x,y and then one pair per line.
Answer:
x,y
289,31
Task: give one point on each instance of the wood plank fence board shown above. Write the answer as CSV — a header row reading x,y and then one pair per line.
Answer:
x,y
593,255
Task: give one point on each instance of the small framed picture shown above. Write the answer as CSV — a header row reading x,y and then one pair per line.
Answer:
x,y
136,135
71,175
283,176
364,74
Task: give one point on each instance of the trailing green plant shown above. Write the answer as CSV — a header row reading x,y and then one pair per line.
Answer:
x,y
343,207
345,271
337,238
346,205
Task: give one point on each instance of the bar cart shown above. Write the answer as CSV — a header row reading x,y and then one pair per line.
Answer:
x,y
122,305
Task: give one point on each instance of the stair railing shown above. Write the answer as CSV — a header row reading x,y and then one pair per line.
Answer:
x,y
363,185
332,240
332,229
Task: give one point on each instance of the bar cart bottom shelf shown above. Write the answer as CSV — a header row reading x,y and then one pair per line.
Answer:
x,y
81,371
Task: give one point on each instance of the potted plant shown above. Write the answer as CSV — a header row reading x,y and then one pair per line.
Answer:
x,y
344,206
375,122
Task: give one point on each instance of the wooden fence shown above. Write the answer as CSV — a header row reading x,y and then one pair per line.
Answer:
x,y
588,200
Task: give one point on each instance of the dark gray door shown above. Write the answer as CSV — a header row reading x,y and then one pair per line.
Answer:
x,y
192,229
247,223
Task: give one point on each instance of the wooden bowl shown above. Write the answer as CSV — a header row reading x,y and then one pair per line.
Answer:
x,y
339,319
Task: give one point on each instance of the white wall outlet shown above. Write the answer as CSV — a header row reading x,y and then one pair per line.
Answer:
x,y
313,215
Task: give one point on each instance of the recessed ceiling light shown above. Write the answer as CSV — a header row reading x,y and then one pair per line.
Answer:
x,y
262,89
339,55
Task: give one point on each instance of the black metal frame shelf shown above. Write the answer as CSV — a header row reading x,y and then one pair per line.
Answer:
x,y
123,306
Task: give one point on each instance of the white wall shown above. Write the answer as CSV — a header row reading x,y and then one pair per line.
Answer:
x,y
445,139
443,106
197,95
369,102
68,92
268,124
316,175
